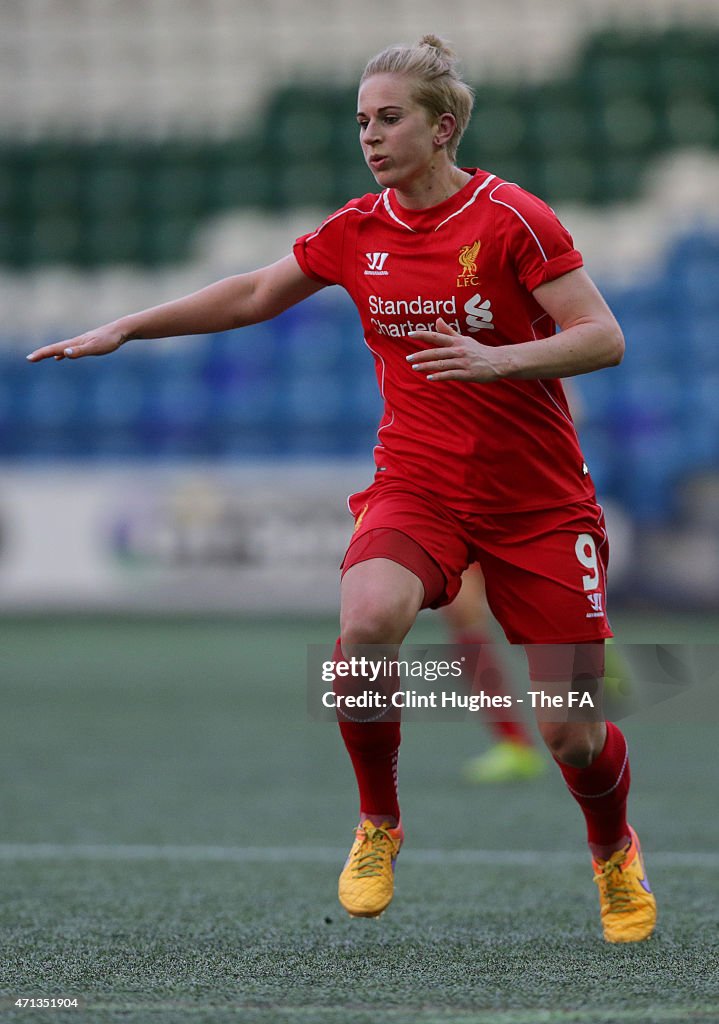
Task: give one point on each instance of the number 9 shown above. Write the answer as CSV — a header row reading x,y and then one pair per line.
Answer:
x,y
586,552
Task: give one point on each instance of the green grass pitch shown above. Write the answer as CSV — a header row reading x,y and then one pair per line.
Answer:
x,y
172,826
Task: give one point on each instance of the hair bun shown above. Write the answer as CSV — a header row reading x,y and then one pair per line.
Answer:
x,y
441,45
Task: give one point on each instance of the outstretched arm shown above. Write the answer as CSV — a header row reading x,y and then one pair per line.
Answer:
x,y
589,339
233,302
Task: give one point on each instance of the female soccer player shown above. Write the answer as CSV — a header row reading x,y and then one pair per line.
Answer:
x,y
460,278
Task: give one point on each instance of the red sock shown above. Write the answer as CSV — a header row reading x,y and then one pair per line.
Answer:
x,y
373,748
601,790
491,677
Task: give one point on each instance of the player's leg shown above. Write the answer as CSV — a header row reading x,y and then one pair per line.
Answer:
x,y
380,601
591,754
387,576
594,762
405,554
513,756
547,589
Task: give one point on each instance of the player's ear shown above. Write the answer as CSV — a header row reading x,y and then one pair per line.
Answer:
x,y
446,127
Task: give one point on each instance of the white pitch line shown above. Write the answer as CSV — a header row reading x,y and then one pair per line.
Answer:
x,y
321,855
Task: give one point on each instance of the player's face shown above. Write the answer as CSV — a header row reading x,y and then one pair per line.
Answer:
x,y
396,133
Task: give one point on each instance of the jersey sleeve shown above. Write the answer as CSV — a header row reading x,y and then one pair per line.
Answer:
x,y
320,253
537,242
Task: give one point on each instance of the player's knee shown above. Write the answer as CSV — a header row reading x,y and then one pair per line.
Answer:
x,y
569,743
375,623
383,617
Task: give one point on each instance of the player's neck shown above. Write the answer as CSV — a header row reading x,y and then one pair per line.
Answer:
x,y
438,184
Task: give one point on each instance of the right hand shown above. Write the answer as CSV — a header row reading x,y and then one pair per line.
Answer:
x,y
93,343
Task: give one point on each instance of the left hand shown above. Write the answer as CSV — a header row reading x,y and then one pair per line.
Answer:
x,y
455,356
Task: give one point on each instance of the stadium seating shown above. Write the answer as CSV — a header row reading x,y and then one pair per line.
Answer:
x,y
110,194
304,385
589,135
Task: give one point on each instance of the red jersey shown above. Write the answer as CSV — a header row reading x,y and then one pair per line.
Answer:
x,y
474,260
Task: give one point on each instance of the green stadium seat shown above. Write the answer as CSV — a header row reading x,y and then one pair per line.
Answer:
x,y
499,127
342,109
630,124
167,240
692,121
237,176
618,76
9,179
300,123
620,176
300,133
676,74
15,215
350,179
114,237
346,143
110,181
54,182
559,125
173,181
304,183
569,177
55,238
15,247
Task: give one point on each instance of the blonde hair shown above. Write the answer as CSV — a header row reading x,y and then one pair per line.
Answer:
x,y
438,87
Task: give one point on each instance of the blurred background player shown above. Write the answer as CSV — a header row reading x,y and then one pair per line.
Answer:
x,y
514,756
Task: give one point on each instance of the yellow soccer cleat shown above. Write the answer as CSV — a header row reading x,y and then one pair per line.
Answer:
x,y
628,907
504,762
366,884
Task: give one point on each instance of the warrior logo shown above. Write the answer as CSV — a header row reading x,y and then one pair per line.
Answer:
x,y
375,264
468,262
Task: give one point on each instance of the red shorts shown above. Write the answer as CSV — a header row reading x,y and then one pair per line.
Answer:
x,y
545,570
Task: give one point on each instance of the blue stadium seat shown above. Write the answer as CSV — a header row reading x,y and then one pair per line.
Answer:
x,y
315,399
363,401
305,440
115,400
698,283
695,246
599,396
183,401
255,442
247,401
701,441
257,347
701,402
599,448
315,344
654,396
701,333
51,403
651,462
651,341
